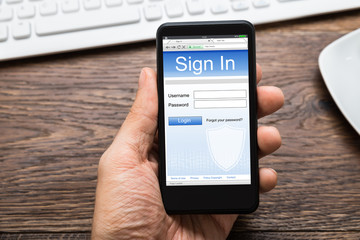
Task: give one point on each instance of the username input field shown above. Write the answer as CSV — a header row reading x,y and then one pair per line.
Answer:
x,y
219,94
239,103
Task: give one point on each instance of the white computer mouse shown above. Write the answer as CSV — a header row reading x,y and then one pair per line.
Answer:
x,y
339,64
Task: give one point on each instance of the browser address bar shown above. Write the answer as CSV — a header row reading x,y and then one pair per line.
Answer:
x,y
226,46
199,47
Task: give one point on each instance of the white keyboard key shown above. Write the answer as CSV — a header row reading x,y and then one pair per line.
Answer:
x,y
219,6
21,30
48,8
135,1
240,5
69,6
113,3
13,1
195,7
88,20
3,33
92,4
174,8
51,20
261,3
6,14
152,12
26,11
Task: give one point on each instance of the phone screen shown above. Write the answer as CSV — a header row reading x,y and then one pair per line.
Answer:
x,y
206,110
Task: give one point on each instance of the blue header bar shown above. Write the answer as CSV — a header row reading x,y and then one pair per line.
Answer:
x,y
206,63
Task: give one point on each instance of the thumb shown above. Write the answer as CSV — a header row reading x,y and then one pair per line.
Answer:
x,y
138,130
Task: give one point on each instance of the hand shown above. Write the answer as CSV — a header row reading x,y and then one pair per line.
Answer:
x,y
128,200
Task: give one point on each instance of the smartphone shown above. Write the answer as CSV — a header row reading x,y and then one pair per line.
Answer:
x,y
207,117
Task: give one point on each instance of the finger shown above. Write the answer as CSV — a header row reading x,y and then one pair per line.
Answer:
x,y
268,179
270,99
269,140
258,73
138,130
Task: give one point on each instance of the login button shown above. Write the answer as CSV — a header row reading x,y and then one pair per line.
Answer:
x,y
177,121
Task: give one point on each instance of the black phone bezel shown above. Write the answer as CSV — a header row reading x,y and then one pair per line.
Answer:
x,y
209,198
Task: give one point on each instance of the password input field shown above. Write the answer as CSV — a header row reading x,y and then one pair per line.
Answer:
x,y
216,94
240,103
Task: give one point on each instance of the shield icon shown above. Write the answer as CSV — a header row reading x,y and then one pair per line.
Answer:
x,y
226,145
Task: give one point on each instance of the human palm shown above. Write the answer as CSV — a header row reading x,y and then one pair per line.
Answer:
x,y
128,200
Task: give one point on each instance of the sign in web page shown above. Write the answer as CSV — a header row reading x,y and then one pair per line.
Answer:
x,y
206,108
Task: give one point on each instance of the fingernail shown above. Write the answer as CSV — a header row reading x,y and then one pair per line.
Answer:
x,y
142,78
273,171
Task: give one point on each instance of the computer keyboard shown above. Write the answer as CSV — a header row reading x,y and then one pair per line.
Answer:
x,y
38,27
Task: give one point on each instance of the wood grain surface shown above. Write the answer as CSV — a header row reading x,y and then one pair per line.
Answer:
x,y
59,113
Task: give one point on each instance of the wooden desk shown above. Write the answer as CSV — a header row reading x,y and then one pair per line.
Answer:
x,y
59,113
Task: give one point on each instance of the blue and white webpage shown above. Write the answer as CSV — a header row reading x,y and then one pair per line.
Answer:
x,y
206,108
